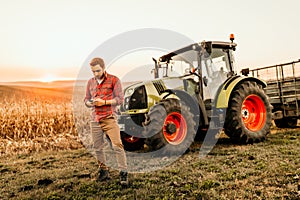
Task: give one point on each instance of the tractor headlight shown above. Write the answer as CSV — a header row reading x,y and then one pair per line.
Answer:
x,y
129,92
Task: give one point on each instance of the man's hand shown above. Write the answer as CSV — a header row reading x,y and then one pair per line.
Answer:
x,y
99,102
89,103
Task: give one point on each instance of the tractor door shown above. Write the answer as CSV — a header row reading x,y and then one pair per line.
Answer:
x,y
216,68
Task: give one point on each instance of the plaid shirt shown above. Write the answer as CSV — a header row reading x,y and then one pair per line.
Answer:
x,y
110,88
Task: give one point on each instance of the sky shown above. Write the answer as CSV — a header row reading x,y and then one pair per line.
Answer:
x,y
51,39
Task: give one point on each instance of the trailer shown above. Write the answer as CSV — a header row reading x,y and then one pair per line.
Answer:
x,y
283,90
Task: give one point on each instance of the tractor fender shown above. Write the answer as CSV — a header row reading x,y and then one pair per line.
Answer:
x,y
195,103
224,92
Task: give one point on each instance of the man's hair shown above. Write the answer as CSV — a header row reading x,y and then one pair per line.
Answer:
x,y
97,61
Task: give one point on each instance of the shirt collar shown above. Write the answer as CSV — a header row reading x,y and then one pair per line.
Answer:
x,y
105,76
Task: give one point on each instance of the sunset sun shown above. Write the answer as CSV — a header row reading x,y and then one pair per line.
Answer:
x,y
48,78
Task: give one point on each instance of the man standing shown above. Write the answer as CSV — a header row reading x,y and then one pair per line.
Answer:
x,y
103,94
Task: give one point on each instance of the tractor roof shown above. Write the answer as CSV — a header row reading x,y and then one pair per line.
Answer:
x,y
197,46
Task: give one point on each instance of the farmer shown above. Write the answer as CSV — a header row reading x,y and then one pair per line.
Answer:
x,y
103,94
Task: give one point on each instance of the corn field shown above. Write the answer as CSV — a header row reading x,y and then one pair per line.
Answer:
x,y
34,119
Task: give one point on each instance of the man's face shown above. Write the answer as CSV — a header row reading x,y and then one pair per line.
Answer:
x,y
98,71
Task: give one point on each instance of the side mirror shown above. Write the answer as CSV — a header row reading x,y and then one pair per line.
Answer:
x,y
205,81
208,47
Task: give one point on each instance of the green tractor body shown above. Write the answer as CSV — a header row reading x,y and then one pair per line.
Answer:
x,y
193,87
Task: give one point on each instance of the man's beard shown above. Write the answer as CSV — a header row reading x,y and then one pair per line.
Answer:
x,y
101,77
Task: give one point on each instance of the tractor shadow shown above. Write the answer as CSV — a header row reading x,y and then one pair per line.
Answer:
x,y
276,135
223,141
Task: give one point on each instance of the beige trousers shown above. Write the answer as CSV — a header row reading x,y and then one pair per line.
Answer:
x,y
110,127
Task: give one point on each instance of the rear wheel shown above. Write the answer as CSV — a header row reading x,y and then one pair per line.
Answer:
x,y
171,126
248,117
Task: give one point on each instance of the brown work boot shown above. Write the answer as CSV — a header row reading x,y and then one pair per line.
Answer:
x,y
102,175
123,177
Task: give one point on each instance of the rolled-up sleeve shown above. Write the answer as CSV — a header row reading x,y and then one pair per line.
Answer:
x,y
118,92
87,92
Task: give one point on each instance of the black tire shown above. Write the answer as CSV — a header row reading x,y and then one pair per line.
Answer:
x,y
162,125
242,123
132,143
286,122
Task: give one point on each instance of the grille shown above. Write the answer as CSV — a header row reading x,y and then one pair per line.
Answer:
x,y
159,86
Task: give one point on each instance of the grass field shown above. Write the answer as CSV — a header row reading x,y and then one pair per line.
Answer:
x,y
268,170
42,158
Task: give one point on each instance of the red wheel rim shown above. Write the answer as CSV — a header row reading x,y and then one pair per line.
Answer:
x,y
130,139
179,128
253,113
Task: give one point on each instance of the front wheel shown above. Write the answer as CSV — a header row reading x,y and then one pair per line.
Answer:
x,y
248,117
131,143
171,127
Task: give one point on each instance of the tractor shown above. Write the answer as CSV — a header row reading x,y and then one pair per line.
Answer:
x,y
195,89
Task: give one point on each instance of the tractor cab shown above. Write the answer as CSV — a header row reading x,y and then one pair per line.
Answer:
x,y
207,65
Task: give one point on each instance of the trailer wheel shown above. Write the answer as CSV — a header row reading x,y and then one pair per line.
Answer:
x,y
171,125
248,117
131,143
286,122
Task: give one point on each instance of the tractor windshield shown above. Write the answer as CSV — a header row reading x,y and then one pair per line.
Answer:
x,y
179,64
